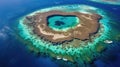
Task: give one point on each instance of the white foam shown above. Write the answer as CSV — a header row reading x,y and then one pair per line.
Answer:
x,y
64,59
108,41
58,58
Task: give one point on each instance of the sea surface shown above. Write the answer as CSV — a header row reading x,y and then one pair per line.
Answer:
x,y
14,53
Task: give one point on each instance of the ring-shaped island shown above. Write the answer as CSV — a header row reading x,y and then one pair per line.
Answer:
x,y
75,33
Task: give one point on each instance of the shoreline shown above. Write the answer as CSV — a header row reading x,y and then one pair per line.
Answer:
x,y
112,2
41,28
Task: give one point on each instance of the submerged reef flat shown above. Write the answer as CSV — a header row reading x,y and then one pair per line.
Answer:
x,y
115,2
76,34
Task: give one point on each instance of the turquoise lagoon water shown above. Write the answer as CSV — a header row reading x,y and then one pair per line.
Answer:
x,y
62,23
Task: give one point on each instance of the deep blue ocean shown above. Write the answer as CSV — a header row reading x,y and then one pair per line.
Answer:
x,y
13,53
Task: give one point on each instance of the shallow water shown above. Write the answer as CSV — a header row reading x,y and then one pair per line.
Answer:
x,y
13,53
62,22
